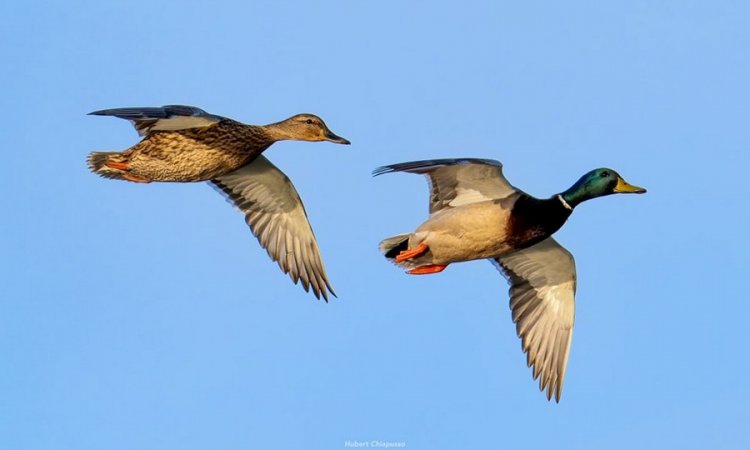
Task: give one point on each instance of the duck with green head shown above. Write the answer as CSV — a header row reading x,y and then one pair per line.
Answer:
x,y
186,144
475,213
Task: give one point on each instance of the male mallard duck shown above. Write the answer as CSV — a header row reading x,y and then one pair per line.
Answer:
x,y
475,213
187,144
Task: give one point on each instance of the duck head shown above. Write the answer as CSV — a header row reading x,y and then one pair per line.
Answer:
x,y
598,183
303,127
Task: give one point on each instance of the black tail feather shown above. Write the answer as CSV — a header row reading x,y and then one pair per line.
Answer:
x,y
394,251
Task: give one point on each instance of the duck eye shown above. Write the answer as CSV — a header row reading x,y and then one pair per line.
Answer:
x,y
605,174
308,121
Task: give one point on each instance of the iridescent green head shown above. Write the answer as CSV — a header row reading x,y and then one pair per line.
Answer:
x,y
598,183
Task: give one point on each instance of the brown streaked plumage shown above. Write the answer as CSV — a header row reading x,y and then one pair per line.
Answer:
x,y
183,143
475,213
186,144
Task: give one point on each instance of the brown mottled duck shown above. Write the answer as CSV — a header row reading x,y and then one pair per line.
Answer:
x,y
186,144
475,213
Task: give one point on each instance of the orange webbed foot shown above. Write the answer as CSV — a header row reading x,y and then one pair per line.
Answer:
x,y
413,253
117,165
124,168
133,178
427,269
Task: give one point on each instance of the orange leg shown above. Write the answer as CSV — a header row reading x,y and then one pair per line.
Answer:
x,y
117,165
134,178
427,269
124,167
413,253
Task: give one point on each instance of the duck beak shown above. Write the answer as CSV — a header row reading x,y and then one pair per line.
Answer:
x,y
330,137
623,187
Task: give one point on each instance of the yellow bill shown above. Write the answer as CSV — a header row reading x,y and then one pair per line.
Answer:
x,y
624,187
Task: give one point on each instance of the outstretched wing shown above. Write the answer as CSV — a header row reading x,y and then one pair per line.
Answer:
x,y
456,182
276,216
542,298
164,118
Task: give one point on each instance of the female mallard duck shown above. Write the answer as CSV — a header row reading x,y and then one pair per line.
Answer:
x,y
475,213
187,144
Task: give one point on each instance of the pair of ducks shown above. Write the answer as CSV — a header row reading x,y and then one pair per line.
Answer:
x,y
475,213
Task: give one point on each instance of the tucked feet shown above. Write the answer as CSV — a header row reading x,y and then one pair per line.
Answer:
x,y
124,167
133,178
117,165
427,269
413,253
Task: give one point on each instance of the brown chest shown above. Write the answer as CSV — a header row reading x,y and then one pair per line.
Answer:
x,y
532,220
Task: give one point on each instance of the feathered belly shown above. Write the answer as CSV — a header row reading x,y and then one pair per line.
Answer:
x,y
464,234
180,159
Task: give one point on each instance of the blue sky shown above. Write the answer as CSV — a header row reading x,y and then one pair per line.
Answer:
x,y
147,316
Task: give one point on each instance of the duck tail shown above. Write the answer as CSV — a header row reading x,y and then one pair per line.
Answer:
x,y
392,246
97,164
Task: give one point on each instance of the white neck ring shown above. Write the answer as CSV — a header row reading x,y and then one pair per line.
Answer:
x,y
564,203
